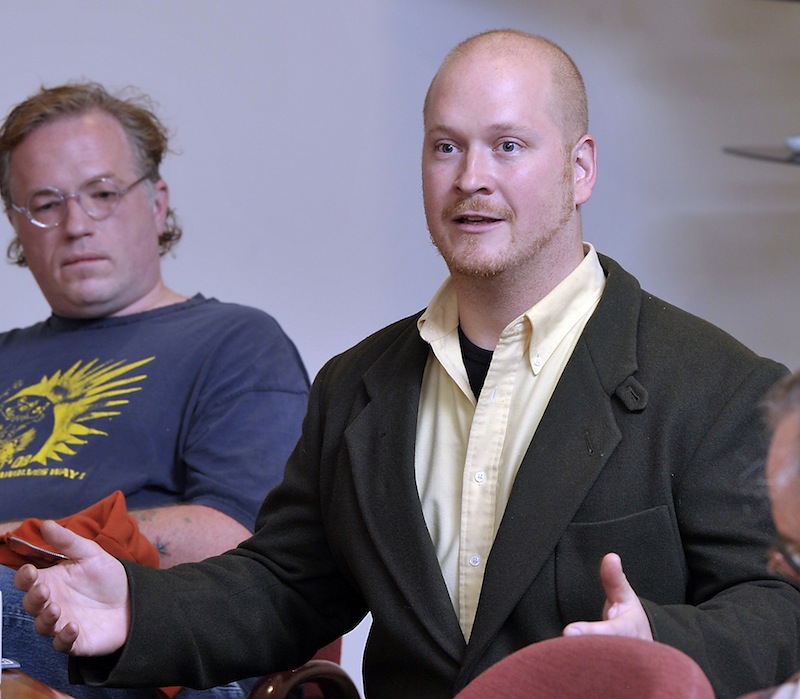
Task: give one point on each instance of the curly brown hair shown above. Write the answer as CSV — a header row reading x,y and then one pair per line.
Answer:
x,y
147,134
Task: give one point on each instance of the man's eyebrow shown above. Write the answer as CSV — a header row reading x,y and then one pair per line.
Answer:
x,y
498,128
512,128
101,176
507,126
438,128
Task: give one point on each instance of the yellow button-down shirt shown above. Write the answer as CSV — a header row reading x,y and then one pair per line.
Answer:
x,y
467,450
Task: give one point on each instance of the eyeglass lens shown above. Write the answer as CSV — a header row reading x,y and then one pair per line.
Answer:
x,y
98,198
789,554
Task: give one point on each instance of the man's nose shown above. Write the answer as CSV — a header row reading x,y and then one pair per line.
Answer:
x,y
76,220
476,173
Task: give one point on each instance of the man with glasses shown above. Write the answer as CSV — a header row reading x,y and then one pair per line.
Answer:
x,y
783,483
188,406
783,475
99,198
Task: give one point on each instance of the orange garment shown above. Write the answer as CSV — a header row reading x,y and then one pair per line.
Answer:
x,y
107,522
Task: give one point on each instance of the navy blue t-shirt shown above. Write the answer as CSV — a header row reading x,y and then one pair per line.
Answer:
x,y
199,402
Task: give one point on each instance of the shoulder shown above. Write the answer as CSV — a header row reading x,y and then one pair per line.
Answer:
x,y
20,335
233,335
391,352
214,311
694,342
396,338
660,325
219,322
669,344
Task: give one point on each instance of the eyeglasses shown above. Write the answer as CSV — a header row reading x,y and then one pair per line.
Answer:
x,y
785,554
99,198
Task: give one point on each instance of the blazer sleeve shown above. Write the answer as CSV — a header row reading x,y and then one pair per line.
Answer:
x,y
740,622
268,605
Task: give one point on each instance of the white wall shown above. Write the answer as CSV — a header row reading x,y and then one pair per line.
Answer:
x,y
298,129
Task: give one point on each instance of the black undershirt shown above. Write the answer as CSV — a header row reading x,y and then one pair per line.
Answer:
x,y
476,362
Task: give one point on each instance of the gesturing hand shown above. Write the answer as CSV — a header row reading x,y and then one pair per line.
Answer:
x,y
623,614
83,603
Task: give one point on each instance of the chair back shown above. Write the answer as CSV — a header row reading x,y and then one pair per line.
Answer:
x,y
572,667
332,653
320,678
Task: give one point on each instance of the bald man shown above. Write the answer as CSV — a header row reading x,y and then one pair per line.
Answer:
x,y
545,450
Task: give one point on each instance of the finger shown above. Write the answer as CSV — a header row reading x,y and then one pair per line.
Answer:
x,y
67,542
26,577
65,639
599,628
36,599
46,622
617,588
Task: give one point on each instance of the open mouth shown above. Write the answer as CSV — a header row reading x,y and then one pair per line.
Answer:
x,y
476,219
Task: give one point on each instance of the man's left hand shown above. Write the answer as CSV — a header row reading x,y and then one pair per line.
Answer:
x,y
623,613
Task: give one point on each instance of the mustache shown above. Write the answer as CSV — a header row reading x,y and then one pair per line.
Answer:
x,y
476,205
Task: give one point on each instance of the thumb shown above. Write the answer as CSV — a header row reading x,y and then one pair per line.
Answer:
x,y
67,542
615,582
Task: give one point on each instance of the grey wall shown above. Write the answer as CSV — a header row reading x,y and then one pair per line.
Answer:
x,y
297,125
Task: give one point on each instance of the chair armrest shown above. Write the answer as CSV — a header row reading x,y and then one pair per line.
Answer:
x,y
332,680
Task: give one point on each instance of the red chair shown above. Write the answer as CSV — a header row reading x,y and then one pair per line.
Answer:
x,y
592,666
321,677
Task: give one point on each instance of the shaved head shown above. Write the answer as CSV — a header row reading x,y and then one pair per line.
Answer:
x,y
567,100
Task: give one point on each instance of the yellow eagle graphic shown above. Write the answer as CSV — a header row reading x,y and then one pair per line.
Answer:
x,y
63,404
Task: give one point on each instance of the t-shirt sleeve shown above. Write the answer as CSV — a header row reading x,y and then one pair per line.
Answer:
x,y
245,417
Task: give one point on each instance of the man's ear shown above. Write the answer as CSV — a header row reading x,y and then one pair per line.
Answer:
x,y
584,164
160,203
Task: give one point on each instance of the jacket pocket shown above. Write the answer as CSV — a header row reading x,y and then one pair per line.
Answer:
x,y
652,557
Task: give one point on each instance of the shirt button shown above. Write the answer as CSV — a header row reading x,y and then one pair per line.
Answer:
x,y
480,477
537,360
474,561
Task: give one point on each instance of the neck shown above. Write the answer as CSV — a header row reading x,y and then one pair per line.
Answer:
x,y
486,306
158,298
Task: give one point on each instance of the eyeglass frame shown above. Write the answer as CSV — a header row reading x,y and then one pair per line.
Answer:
x,y
788,552
65,197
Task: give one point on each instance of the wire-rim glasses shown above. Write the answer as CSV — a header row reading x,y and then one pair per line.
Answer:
x,y
786,552
99,198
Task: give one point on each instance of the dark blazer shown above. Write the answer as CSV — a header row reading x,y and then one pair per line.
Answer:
x,y
652,446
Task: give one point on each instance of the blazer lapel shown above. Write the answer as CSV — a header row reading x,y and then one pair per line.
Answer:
x,y
572,444
570,448
380,442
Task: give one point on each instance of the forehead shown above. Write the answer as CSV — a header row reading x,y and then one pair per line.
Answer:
x,y
505,78
783,476
783,458
81,146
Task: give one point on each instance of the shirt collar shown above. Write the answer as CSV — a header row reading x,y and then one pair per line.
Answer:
x,y
552,319
546,323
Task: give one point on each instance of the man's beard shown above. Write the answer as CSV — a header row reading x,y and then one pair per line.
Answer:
x,y
467,260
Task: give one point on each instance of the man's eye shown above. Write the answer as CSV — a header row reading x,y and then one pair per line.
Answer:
x,y
446,148
42,203
509,147
101,192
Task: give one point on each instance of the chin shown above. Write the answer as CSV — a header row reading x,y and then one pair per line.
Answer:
x,y
477,262
476,269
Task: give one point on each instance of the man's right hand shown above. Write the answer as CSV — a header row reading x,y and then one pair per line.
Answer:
x,y
82,603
